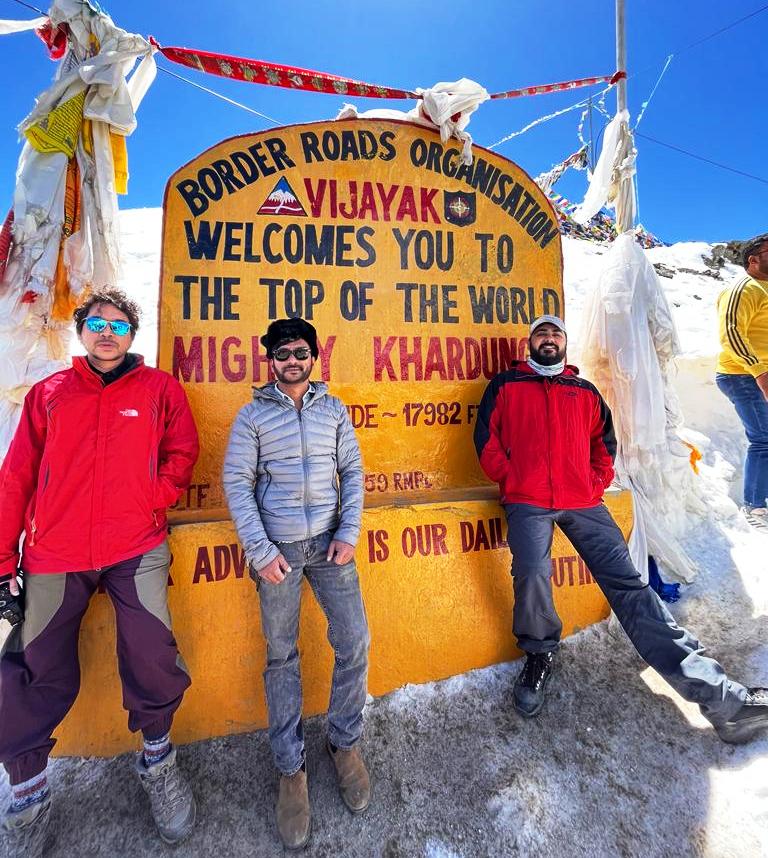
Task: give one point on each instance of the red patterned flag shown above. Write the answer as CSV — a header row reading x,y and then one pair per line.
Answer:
x,y
6,243
271,74
292,77
559,87
55,39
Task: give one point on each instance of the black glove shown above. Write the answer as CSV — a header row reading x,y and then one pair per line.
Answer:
x,y
11,607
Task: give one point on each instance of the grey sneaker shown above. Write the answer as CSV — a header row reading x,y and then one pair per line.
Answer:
x,y
750,720
757,516
170,797
26,830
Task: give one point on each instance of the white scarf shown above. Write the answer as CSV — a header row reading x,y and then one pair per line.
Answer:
x,y
555,369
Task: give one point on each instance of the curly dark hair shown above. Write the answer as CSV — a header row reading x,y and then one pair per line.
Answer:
x,y
751,247
119,300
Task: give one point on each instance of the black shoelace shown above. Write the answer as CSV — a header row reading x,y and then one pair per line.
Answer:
x,y
535,667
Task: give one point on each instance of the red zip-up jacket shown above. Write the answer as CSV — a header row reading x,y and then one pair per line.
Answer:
x,y
547,441
92,468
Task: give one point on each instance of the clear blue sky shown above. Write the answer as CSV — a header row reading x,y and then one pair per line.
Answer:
x,y
712,100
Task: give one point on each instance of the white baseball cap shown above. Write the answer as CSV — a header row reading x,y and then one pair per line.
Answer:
x,y
547,320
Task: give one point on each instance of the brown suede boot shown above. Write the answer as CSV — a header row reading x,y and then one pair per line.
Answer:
x,y
293,819
354,783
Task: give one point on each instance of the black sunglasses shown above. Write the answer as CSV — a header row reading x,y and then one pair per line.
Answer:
x,y
301,353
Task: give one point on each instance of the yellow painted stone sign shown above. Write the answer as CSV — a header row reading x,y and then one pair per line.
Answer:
x,y
421,275
437,591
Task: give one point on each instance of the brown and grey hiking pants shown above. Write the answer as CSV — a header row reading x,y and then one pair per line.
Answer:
x,y
40,670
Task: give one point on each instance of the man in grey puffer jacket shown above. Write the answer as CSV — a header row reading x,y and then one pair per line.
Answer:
x,y
294,484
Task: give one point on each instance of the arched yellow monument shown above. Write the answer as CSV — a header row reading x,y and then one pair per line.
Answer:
x,y
421,274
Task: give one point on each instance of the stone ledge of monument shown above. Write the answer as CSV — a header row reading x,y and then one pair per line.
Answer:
x,y
396,501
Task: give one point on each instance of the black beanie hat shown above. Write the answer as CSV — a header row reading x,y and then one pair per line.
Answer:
x,y
287,330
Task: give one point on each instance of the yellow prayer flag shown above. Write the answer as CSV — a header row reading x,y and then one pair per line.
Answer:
x,y
59,130
120,161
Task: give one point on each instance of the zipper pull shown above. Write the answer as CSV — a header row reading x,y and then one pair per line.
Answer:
x,y
34,531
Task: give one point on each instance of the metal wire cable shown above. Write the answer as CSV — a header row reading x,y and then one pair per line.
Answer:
x,y
30,6
220,95
700,41
645,104
702,158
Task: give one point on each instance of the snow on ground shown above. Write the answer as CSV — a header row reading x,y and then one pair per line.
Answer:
x,y
615,765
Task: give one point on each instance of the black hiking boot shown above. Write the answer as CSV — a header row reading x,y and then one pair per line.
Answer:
x,y
750,720
531,683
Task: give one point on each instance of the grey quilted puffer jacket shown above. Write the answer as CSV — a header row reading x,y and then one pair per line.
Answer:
x,y
284,470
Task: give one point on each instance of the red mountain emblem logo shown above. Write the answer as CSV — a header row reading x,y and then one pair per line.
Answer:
x,y
282,201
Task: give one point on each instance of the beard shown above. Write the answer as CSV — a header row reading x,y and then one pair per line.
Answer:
x,y
292,377
549,358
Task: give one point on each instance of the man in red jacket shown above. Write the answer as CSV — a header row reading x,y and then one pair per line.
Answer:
x,y
546,436
101,450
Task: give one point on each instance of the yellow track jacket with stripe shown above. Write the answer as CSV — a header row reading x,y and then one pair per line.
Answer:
x,y
743,313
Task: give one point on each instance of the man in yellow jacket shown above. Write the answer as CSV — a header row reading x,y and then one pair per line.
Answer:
x,y
742,369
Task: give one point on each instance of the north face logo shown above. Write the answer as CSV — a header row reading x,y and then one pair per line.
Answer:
x,y
129,412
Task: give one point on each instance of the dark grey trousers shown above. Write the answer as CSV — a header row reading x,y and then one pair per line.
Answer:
x,y
672,651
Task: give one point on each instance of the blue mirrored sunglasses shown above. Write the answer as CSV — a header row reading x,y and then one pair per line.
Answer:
x,y
97,325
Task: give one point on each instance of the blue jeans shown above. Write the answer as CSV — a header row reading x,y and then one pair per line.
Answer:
x,y
337,590
752,408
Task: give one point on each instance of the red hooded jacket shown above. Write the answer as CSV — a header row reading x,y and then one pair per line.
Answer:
x,y
92,468
547,441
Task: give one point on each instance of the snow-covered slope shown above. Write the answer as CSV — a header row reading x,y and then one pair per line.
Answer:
x,y
615,765
691,295
692,292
